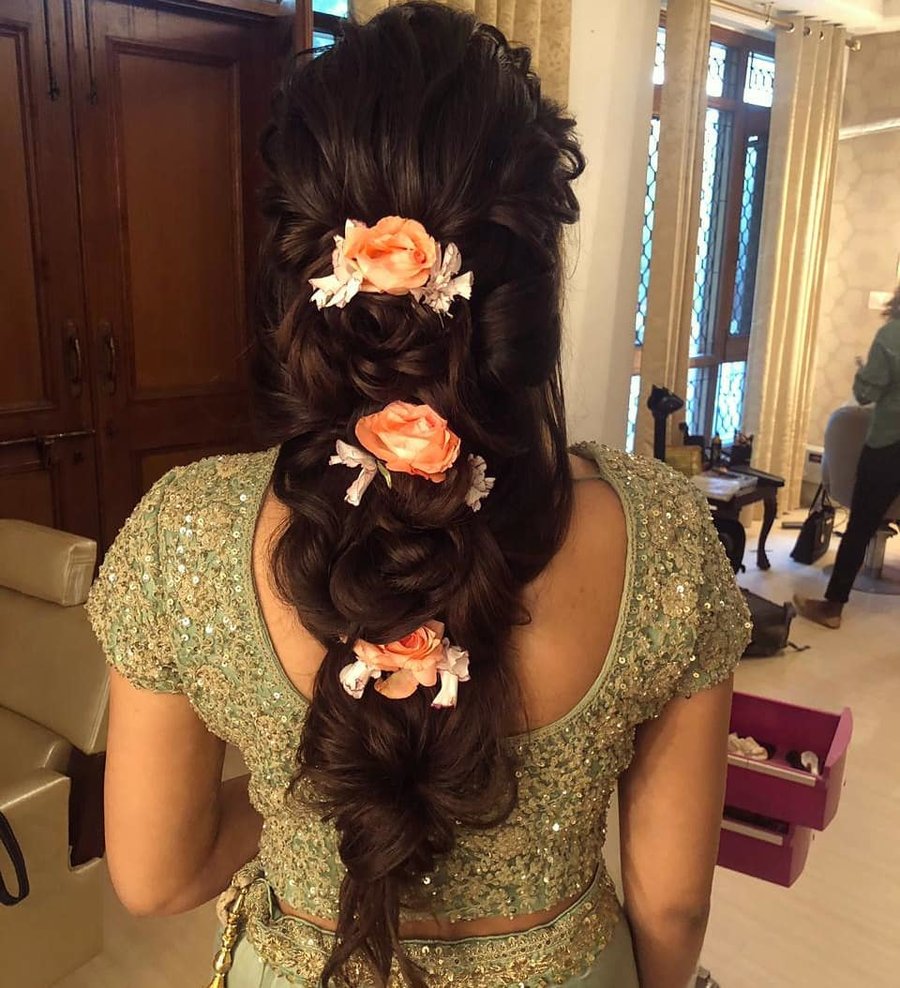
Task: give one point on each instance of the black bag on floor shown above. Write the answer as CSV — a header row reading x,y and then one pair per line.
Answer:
x,y
771,626
815,536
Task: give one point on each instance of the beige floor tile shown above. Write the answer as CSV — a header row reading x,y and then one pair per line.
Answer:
x,y
839,926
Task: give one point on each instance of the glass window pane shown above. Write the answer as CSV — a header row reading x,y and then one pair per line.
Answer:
x,y
647,233
748,235
759,85
715,79
659,62
695,401
322,39
713,193
633,396
730,400
337,8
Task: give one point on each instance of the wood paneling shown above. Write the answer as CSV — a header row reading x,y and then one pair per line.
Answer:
x,y
45,365
182,211
128,174
169,167
28,495
21,379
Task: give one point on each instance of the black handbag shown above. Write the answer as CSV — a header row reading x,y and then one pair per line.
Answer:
x,y
815,535
11,845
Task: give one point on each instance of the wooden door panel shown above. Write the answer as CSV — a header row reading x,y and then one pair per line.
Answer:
x,y
44,358
52,483
184,280
22,379
27,494
169,169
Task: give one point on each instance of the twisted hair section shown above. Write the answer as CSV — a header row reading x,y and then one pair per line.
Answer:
x,y
421,113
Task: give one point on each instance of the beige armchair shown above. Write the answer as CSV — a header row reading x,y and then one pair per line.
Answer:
x,y
53,706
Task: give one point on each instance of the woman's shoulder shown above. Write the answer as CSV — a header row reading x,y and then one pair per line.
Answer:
x,y
155,581
229,481
641,482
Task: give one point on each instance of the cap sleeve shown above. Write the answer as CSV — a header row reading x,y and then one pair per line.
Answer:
x,y
723,619
127,604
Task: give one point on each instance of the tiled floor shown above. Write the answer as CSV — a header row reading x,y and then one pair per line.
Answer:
x,y
838,927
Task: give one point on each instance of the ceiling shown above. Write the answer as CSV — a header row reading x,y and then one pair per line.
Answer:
x,y
859,16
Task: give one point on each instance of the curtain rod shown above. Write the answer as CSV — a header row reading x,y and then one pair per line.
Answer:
x,y
771,20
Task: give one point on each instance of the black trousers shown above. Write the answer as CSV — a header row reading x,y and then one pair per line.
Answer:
x,y
877,484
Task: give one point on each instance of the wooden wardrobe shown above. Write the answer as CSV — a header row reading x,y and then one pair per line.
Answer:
x,y
129,168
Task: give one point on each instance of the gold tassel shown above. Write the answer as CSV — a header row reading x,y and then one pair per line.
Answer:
x,y
223,959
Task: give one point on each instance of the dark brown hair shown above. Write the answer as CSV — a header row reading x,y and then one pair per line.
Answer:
x,y
892,310
425,114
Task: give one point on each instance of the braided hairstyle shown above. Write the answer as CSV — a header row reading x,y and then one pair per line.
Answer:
x,y
422,113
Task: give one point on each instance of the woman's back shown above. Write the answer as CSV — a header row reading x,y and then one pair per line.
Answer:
x,y
632,611
436,673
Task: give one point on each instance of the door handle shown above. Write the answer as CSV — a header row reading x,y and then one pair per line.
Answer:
x,y
75,364
112,369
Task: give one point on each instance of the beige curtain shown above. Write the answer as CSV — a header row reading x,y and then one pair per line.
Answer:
x,y
543,25
664,358
810,66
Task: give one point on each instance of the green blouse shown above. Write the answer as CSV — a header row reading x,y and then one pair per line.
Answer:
x,y
175,610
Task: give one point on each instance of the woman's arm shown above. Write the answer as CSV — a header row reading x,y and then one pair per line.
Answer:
x,y
175,834
873,377
670,809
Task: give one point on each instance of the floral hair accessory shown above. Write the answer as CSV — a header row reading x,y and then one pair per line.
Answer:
x,y
395,257
405,438
482,485
415,660
410,439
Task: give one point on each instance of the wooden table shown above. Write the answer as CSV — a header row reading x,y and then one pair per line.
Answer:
x,y
766,490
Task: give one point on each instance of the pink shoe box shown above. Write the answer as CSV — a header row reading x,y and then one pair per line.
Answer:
x,y
774,788
766,849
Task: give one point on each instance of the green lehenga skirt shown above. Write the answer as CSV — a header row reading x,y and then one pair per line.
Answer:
x,y
615,967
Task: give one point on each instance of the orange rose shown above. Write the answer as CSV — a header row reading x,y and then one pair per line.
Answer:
x,y
410,439
393,256
412,660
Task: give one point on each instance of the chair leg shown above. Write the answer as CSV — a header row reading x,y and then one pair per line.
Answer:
x,y
874,561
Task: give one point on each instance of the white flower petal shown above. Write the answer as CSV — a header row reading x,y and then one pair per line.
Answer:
x,y
353,456
448,692
455,660
355,677
481,484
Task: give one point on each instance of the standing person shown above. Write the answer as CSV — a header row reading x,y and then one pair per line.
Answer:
x,y
439,639
877,484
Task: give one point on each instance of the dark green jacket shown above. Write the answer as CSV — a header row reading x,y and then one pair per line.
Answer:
x,y
878,382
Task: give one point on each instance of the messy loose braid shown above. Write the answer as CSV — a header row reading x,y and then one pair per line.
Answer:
x,y
426,114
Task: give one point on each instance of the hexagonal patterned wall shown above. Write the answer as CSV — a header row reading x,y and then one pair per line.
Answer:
x,y
864,239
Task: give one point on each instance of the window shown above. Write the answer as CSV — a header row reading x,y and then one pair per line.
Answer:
x,y
740,86
327,16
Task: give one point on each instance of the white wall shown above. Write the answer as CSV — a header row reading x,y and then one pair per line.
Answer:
x,y
611,96
864,237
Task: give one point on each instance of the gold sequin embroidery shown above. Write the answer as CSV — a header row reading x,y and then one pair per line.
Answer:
x,y
175,610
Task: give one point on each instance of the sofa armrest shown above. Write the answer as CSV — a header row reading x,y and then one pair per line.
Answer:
x,y
37,808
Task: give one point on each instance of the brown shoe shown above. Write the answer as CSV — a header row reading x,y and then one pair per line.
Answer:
x,y
824,612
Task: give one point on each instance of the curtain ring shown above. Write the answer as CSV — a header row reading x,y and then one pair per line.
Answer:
x,y
807,31
821,35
